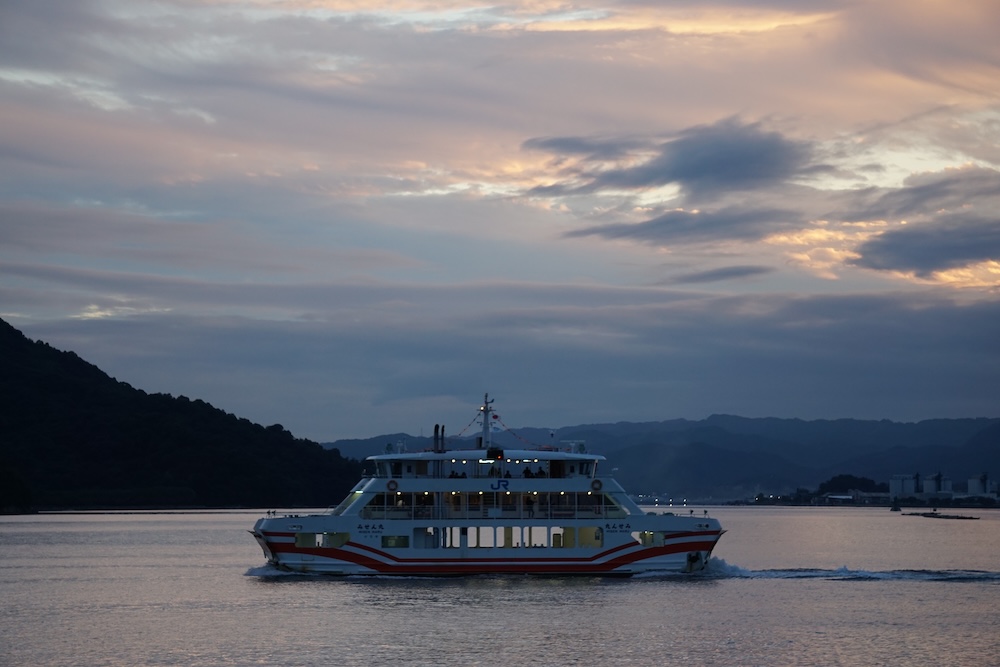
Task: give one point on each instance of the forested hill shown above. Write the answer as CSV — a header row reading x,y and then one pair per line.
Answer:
x,y
72,437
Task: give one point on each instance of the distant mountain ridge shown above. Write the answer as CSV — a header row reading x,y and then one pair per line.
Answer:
x,y
724,457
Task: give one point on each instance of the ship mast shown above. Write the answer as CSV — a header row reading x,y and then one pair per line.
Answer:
x,y
486,439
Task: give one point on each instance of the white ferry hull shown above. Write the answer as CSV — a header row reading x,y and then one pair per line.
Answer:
x,y
682,551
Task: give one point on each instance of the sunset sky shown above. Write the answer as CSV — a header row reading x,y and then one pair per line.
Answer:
x,y
355,217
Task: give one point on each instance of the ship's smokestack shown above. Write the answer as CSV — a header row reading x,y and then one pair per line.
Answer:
x,y
438,438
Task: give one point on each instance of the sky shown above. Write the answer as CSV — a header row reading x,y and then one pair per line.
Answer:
x,y
354,218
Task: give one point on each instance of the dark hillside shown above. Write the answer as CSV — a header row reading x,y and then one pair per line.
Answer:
x,y
72,437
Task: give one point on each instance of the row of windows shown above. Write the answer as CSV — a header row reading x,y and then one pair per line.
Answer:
x,y
475,537
510,468
458,499
486,537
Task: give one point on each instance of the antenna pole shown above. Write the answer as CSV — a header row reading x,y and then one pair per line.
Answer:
x,y
487,439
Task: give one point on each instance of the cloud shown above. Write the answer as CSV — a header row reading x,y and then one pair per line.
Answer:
x,y
593,149
705,161
719,275
926,194
935,222
681,226
949,242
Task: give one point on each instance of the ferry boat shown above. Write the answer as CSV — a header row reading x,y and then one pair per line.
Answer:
x,y
488,510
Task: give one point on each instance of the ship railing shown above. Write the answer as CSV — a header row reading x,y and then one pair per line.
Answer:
x,y
489,513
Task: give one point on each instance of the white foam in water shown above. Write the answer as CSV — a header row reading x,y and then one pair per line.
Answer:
x,y
269,571
719,568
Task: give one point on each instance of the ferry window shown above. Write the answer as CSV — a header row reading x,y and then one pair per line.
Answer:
x,y
453,536
346,502
537,536
646,537
612,508
482,536
589,502
428,537
333,540
395,541
308,539
397,469
590,536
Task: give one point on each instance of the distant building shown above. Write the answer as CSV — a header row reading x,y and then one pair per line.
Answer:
x,y
937,486
904,486
934,487
982,485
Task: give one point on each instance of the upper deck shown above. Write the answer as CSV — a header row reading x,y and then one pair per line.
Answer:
x,y
492,462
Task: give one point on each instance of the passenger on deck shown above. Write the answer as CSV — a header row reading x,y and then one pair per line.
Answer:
x,y
540,473
527,472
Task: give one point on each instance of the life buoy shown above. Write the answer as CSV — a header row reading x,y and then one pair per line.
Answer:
x,y
391,485
596,485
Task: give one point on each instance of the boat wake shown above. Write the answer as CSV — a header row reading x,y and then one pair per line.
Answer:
x,y
717,569
270,571
720,569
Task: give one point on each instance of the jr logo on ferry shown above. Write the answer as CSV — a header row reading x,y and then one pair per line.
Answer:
x,y
499,484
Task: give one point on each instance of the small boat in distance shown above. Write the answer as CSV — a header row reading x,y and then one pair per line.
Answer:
x,y
936,515
488,510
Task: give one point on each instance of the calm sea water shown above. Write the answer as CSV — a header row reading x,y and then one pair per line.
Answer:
x,y
786,587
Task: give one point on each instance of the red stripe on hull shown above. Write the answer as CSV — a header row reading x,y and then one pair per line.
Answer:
x,y
540,565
